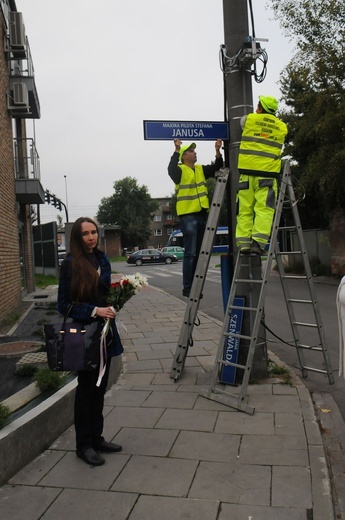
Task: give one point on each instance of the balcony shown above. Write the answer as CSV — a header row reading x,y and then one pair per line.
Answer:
x,y
22,98
27,172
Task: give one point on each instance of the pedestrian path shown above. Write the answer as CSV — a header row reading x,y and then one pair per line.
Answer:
x,y
184,456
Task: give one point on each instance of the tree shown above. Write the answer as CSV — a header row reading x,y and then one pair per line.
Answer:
x,y
312,87
132,208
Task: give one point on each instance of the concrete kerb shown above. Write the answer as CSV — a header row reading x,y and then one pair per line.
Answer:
x,y
26,437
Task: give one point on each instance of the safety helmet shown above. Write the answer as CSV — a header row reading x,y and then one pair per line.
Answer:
x,y
269,104
186,147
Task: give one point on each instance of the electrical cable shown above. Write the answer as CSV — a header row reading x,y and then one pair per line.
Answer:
x,y
252,17
263,57
302,190
290,344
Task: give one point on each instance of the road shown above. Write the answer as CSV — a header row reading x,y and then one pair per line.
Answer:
x,y
169,278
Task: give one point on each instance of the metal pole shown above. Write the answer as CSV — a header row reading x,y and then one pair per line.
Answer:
x,y
238,92
65,176
239,102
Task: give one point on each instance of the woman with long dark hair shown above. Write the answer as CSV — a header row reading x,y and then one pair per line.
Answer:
x,y
84,283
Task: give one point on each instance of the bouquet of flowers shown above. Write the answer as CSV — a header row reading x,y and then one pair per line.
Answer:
x,y
120,292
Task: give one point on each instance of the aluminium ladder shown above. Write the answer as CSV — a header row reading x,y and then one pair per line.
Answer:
x,y
310,331
185,339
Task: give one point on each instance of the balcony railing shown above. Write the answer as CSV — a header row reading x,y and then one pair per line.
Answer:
x,y
22,75
26,159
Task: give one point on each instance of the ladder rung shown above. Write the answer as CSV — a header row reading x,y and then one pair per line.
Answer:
x,y
294,277
243,308
229,364
319,370
286,228
234,335
300,324
240,280
295,300
309,347
280,253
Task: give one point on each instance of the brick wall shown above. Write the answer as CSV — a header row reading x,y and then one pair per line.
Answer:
x,y
10,283
111,243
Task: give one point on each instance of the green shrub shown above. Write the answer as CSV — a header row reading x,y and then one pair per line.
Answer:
x,y
47,380
4,413
26,370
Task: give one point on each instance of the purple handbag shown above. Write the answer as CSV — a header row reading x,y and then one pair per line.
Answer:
x,y
73,346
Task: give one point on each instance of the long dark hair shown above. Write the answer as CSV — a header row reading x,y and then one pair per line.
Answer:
x,y
84,282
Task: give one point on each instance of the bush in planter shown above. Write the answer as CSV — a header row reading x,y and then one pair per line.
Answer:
x,y
4,413
26,370
47,380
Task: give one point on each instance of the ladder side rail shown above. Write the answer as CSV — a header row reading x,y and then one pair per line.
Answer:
x,y
291,314
257,320
210,233
225,326
285,188
311,287
200,274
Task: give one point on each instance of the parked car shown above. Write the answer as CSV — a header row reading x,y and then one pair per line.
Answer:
x,y
150,256
175,250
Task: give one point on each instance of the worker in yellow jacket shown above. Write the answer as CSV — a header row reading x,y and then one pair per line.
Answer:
x,y
192,203
259,166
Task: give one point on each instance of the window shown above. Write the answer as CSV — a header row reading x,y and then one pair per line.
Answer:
x,y
157,218
169,231
169,217
158,233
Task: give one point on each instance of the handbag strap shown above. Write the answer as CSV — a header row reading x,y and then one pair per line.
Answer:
x,y
69,308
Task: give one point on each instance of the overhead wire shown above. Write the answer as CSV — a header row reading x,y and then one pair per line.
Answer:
x,y
263,57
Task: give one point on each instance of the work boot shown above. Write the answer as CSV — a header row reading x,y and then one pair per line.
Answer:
x,y
256,249
245,250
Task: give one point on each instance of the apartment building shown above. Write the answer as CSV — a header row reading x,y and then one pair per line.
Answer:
x,y
163,224
20,185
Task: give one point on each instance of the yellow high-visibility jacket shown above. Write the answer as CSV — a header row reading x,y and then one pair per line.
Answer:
x,y
192,194
262,140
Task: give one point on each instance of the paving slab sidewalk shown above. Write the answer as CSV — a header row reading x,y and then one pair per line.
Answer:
x,y
184,456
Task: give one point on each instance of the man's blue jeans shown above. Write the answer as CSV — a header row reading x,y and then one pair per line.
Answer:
x,y
193,228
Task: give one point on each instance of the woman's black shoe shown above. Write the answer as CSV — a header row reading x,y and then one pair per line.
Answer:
x,y
90,457
108,447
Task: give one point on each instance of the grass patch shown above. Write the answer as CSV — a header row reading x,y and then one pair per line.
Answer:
x,y
42,281
118,259
279,371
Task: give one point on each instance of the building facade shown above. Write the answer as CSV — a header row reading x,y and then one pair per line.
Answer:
x,y
20,185
163,224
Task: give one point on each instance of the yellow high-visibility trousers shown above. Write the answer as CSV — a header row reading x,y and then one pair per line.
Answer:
x,y
256,200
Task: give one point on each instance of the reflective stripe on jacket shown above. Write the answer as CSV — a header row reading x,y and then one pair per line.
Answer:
x,y
261,143
191,193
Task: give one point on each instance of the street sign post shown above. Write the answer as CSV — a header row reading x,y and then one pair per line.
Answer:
x,y
196,130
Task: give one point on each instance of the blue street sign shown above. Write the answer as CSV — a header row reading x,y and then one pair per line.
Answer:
x,y
196,130
231,346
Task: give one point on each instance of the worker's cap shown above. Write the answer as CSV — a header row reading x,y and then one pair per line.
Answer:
x,y
269,104
186,147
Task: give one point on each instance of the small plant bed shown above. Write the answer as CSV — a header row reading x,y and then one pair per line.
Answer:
x,y
279,372
16,348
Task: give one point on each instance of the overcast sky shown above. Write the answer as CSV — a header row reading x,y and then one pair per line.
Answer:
x,y
103,67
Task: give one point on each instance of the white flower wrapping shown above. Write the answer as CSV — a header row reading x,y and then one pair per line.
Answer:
x,y
123,290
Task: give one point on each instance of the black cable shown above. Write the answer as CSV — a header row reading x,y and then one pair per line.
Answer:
x,y
281,339
252,17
